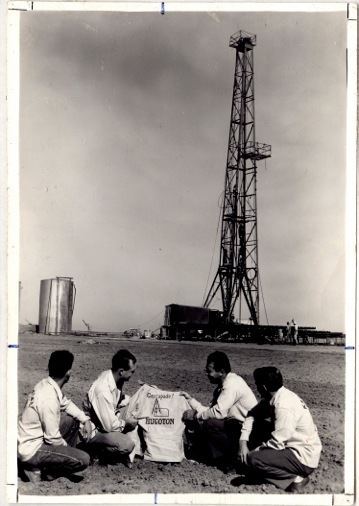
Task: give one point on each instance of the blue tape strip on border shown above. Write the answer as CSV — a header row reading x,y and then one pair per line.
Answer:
x,y
155,497
162,8
349,348
12,345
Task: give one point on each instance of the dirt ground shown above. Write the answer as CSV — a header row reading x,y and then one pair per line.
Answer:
x,y
316,373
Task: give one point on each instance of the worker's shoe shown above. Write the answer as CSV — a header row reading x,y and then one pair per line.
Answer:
x,y
297,486
75,478
33,475
246,479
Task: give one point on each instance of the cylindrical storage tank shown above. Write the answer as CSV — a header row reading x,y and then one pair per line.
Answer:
x,y
56,305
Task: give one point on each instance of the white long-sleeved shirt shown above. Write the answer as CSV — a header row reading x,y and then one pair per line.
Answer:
x,y
101,404
293,428
40,421
232,400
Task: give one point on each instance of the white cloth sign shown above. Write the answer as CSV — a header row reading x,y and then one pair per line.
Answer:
x,y
159,415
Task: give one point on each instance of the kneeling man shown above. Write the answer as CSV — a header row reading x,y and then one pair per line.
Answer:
x,y
292,452
48,428
103,404
218,426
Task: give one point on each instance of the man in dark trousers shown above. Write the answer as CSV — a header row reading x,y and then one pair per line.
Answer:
x,y
217,427
48,428
293,450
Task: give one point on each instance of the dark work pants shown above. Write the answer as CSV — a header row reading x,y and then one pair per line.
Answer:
x,y
279,467
222,438
214,439
60,460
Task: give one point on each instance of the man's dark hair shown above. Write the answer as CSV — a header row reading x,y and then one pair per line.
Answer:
x,y
220,361
270,377
60,362
121,360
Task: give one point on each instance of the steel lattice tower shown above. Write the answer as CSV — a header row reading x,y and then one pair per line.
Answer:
x,y
237,274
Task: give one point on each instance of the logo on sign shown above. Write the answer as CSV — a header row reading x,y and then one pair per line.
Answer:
x,y
158,411
160,415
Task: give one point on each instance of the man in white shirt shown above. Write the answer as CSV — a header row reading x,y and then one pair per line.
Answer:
x,y
217,427
49,426
103,404
293,450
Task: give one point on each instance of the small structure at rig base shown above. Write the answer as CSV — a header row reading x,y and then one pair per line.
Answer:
x,y
203,324
181,322
56,305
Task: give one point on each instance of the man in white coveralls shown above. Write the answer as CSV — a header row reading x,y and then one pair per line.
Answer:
x,y
103,403
216,429
293,450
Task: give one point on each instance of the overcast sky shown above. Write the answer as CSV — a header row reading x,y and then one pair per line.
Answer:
x,y
124,131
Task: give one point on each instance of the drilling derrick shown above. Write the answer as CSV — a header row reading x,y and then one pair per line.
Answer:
x,y
237,274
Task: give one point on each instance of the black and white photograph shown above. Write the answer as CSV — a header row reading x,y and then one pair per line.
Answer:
x,y
183,255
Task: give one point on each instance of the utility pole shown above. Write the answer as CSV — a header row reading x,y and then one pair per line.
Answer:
x,y
237,274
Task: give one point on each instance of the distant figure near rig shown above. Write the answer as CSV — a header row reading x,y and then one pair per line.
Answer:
x,y
294,332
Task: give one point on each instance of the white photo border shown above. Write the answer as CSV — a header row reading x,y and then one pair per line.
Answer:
x,y
12,249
